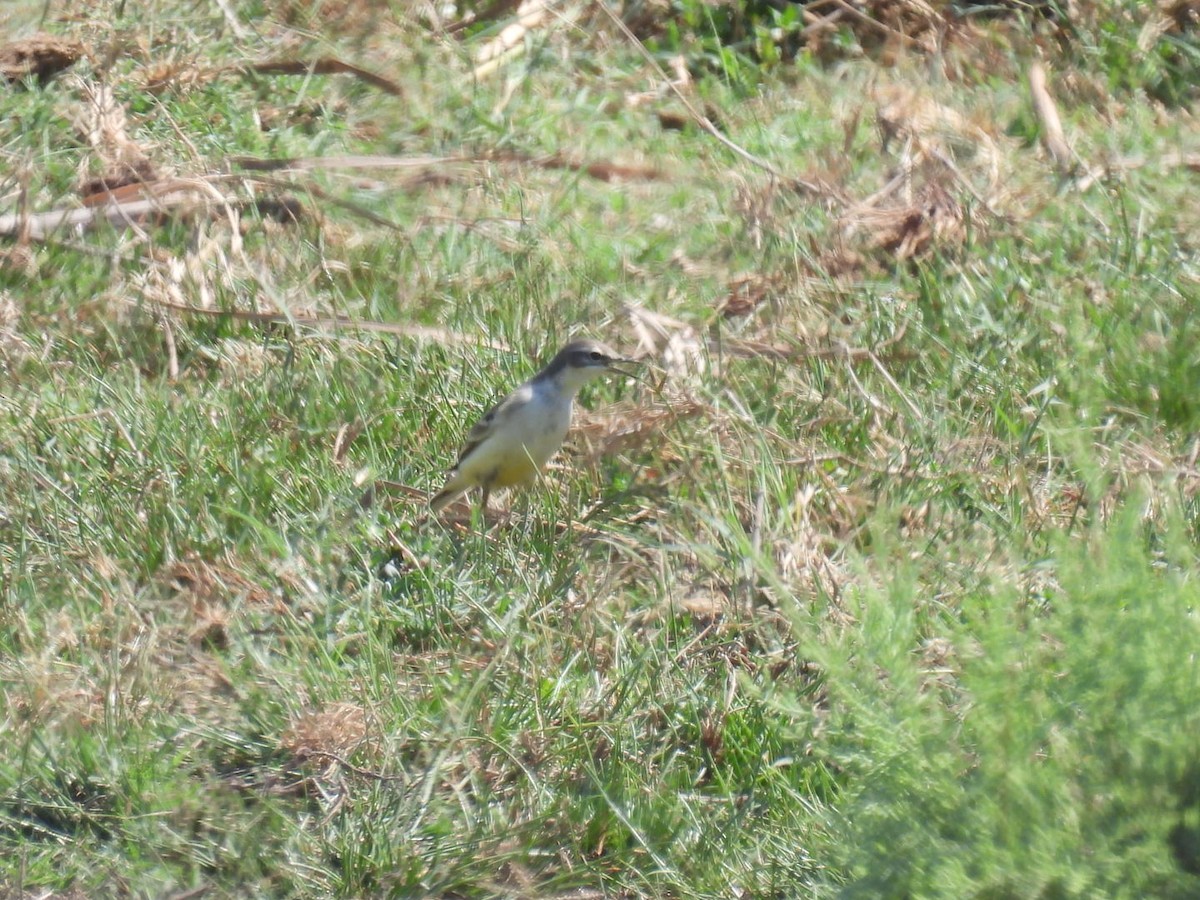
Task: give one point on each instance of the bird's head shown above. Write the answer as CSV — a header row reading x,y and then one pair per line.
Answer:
x,y
581,361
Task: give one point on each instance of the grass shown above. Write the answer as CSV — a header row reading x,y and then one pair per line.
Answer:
x,y
881,582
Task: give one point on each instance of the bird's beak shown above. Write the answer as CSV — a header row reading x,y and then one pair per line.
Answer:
x,y
615,363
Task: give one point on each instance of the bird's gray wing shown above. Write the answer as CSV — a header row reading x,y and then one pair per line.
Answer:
x,y
484,428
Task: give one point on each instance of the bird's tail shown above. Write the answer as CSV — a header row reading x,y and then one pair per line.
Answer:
x,y
452,490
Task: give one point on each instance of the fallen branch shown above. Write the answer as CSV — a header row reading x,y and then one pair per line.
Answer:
x,y
602,171
133,205
302,163
117,213
325,65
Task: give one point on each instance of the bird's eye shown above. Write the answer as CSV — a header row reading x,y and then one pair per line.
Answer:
x,y
597,356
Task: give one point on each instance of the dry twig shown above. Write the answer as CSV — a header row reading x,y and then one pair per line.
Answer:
x,y
325,65
1044,107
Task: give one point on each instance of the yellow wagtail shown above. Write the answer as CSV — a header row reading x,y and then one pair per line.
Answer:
x,y
511,444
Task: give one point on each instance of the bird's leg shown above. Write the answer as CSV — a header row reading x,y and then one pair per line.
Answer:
x,y
490,517
486,489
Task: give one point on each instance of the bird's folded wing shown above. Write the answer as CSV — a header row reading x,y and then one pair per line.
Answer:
x,y
482,430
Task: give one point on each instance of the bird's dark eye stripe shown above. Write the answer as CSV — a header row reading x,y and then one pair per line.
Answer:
x,y
597,355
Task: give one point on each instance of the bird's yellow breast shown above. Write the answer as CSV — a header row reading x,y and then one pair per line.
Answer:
x,y
514,469
511,457
528,429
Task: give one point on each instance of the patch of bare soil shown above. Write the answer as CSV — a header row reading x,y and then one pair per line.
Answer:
x,y
43,56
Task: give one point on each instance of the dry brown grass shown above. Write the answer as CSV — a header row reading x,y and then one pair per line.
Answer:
x,y
738,522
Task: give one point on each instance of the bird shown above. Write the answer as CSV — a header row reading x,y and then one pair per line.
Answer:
x,y
516,437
